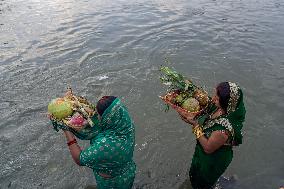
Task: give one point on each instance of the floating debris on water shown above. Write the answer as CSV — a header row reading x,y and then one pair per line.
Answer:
x,y
103,77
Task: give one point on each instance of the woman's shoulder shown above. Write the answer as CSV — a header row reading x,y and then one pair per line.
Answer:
x,y
221,123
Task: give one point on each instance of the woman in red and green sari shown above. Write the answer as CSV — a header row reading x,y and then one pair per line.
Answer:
x,y
216,133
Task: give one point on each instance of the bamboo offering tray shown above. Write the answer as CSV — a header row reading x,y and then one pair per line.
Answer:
x,y
168,99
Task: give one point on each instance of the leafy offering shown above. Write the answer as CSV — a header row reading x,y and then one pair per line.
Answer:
x,y
183,93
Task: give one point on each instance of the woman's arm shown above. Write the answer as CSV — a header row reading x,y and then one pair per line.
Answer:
x,y
74,148
214,142
211,144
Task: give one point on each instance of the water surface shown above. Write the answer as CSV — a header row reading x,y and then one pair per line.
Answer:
x,y
115,48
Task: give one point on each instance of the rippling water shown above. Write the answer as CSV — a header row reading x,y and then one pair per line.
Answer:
x,y
116,47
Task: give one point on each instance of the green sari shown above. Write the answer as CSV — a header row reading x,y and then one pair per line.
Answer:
x,y
207,168
111,150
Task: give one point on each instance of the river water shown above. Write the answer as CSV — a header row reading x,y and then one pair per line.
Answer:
x,y
115,48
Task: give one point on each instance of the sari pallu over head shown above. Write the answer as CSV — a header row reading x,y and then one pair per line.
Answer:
x,y
112,117
118,129
111,151
235,115
115,120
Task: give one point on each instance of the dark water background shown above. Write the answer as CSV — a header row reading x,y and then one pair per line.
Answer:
x,y
115,48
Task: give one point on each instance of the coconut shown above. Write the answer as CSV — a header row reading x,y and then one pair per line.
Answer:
x,y
60,108
191,105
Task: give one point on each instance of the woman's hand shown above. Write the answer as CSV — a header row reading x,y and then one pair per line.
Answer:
x,y
186,116
190,121
69,92
50,116
69,135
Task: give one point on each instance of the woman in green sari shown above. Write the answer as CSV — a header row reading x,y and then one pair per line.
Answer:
x,y
111,147
216,133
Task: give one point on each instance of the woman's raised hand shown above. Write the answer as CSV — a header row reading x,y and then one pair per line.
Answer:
x,y
69,92
189,120
185,116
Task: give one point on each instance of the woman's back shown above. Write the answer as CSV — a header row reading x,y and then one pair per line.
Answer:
x,y
110,154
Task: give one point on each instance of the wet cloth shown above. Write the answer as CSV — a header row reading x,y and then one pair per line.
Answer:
x,y
111,151
207,168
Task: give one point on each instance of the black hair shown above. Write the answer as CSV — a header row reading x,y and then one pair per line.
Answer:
x,y
104,103
223,92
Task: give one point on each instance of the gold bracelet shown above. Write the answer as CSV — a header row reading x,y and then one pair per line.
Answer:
x,y
198,132
194,128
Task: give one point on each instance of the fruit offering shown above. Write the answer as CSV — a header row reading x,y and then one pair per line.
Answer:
x,y
183,93
72,111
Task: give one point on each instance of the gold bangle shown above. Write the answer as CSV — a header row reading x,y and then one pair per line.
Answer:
x,y
198,132
195,128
